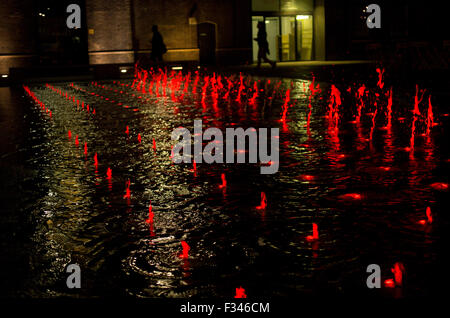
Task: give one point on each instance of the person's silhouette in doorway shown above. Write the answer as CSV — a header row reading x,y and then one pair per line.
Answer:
x,y
263,45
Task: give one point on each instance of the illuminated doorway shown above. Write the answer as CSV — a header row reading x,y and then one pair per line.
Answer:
x,y
290,38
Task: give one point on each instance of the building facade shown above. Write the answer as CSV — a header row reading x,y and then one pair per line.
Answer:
x,y
34,32
120,31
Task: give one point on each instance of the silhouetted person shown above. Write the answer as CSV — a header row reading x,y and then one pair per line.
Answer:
x,y
158,46
263,45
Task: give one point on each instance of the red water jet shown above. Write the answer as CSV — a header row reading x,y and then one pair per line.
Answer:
x,y
263,204
333,112
95,160
315,235
255,94
70,134
240,293
127,190
380,83
416,113
430,119
139,138
224,182
150,214
429,219
389,111
285,105
85,148
441,186
185,253
398,271
76,140
109,174
241,88
360,96
194,167
205,86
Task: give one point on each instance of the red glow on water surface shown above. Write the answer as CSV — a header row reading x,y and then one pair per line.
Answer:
x,y
306,177
95,160
441,186
372,108
76,141
351,196
389,283
240,293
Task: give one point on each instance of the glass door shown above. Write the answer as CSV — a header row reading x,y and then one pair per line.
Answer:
x,y
287,39
290,38
255,20
273,31
304,37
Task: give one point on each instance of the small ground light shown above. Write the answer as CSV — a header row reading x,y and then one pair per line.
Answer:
x,y
5,75
123,70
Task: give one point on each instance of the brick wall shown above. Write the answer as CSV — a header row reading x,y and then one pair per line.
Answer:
x,y
109,31
124,28
17,34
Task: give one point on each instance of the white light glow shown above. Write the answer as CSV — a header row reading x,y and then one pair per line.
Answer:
x,y
302,17
177,67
